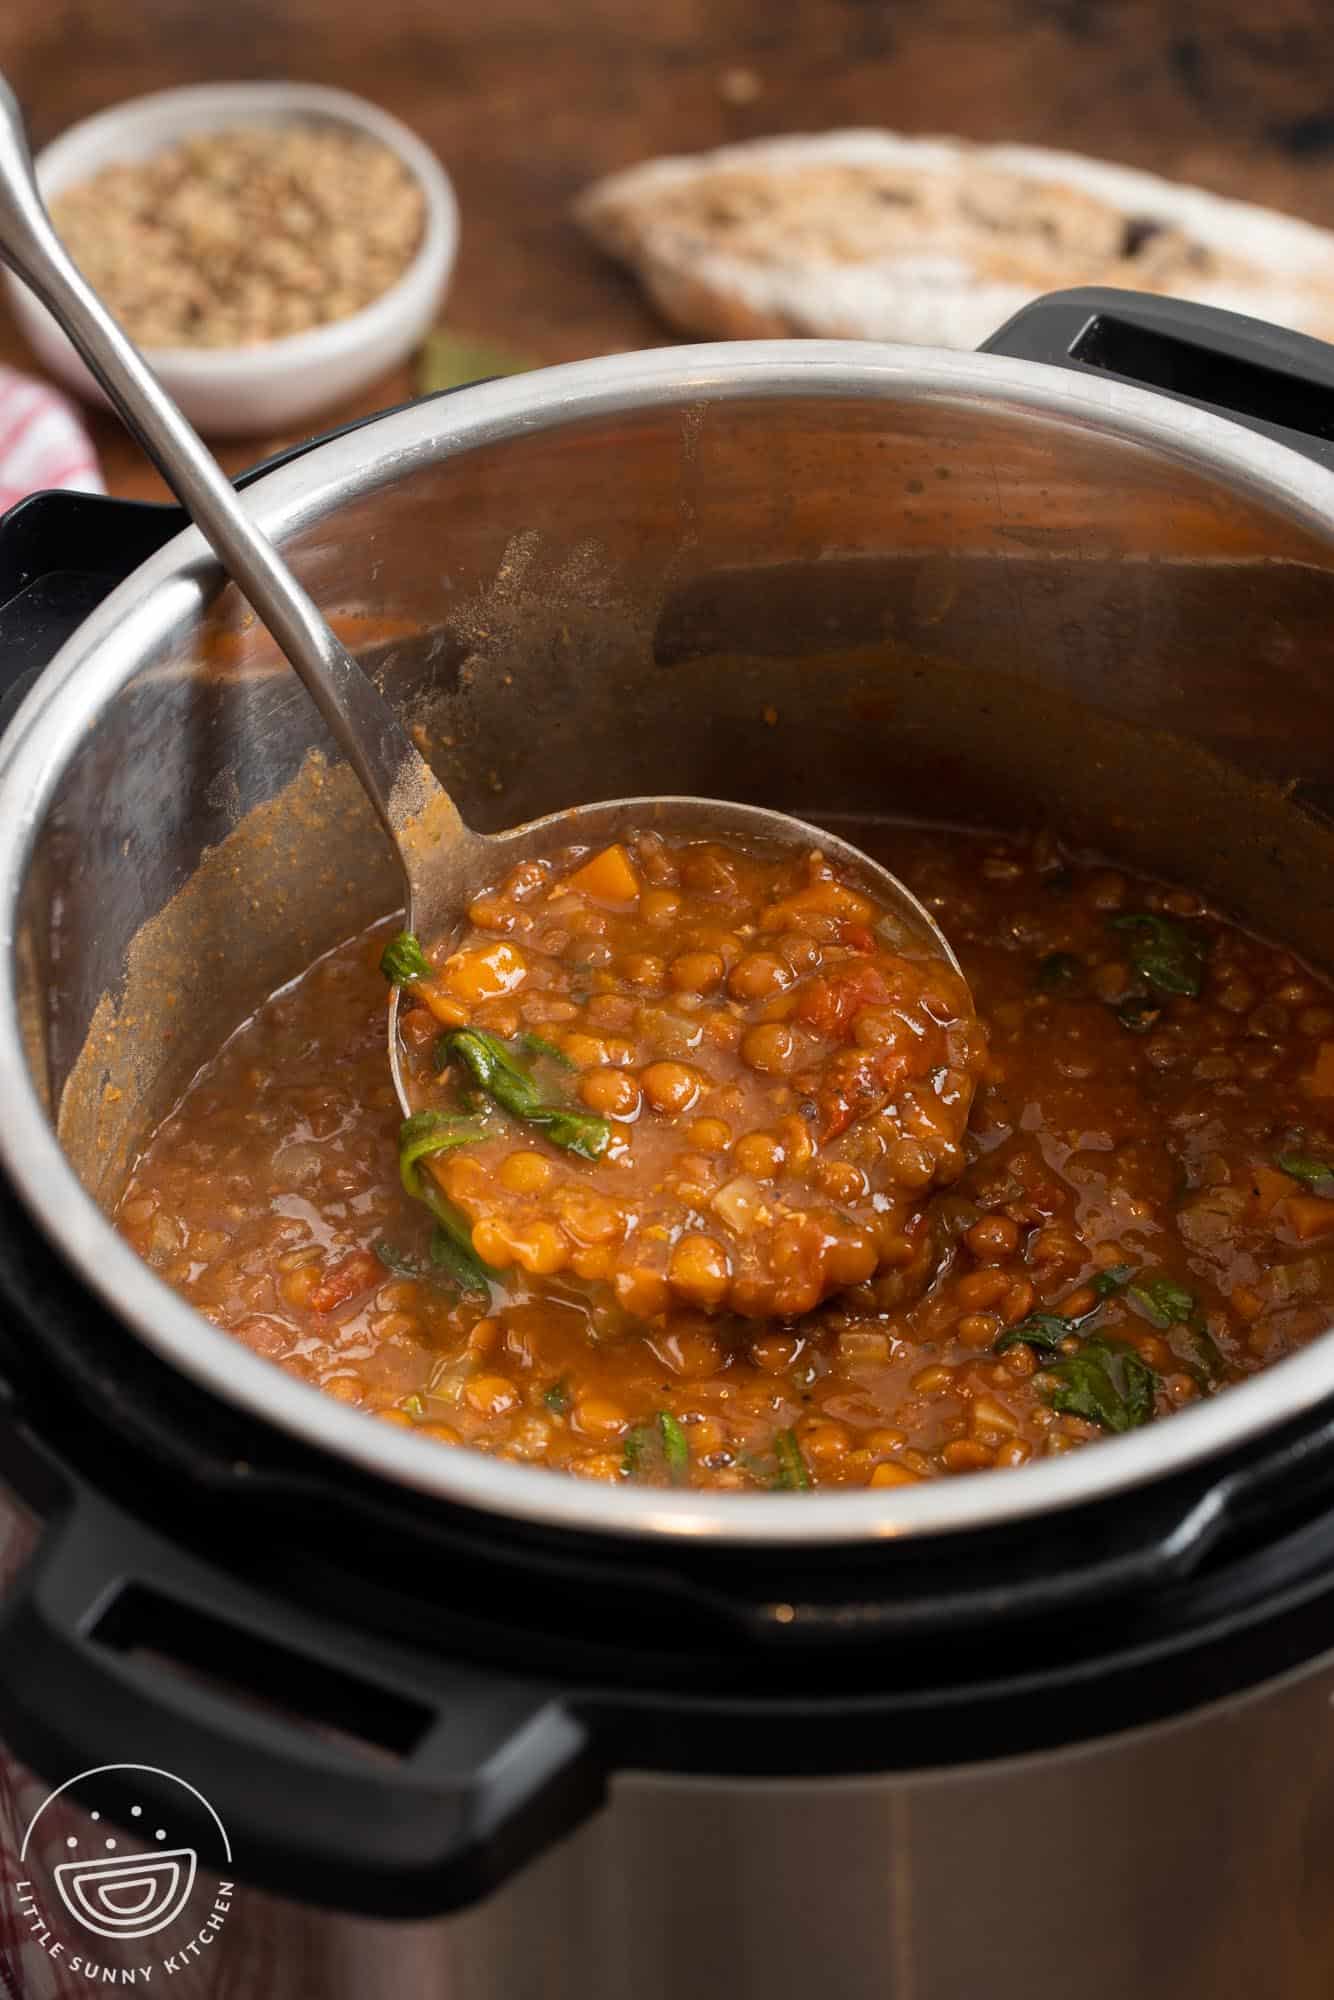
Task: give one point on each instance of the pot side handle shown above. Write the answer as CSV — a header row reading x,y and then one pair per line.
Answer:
x,y
61,553
1264,377
347,1773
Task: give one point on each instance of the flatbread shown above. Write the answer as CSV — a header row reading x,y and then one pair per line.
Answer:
x,y
872,236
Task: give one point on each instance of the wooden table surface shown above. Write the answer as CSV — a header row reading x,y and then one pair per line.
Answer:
x,y
528,100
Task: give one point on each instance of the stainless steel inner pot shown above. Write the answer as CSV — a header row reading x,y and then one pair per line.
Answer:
x,y
823,576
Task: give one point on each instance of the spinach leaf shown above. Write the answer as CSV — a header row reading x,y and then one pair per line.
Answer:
x,y
456,1260
425,1133
1059,972
538,1045
792,1473
1165,953
675,1450
558,1398
1106,1384
1046,1331
574,1131
659,1447
452,1254
1318,1175
1043,1331
403,960
1111,1281
395,1260
495,1070
635,1451
1208,1354
1163,1302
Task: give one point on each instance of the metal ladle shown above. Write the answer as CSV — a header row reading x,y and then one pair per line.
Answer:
x,y
445,863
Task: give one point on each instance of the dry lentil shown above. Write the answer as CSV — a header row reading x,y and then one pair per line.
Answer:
x,y
236,237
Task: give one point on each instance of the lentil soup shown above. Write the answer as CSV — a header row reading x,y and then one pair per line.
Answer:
x,y
1143,1211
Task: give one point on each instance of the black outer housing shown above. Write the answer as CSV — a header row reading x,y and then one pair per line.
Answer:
x,y
1261,376
291,1594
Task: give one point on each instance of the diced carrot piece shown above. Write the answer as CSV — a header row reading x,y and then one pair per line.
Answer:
x,y
609,877
483,972
1269,1187
448,1013
356,1272
1309,1216
1320,1082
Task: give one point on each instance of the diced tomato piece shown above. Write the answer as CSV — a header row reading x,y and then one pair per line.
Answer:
x,y
896,1062
357,1272
856,937
831,1005
417,1026
836,1114
854,1087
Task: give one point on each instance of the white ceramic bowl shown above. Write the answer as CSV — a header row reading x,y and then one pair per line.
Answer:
x,y
242,391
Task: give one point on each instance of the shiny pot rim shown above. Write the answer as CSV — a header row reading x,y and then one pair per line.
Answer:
x,y
172,588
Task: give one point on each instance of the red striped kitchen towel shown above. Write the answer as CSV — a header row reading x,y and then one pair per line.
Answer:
x,y
42,441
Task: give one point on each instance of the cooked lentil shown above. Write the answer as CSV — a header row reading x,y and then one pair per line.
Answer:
x,y
1146,1213
236,237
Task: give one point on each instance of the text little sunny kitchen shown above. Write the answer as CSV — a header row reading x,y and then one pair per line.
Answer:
x,y
179,1960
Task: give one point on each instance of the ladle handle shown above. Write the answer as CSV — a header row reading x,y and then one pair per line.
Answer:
x,y
378,750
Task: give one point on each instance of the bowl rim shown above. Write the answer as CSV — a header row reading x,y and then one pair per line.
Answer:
x,y
93,143
173,585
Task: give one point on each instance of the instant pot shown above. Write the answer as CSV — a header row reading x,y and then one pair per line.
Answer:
x,y
466,1729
